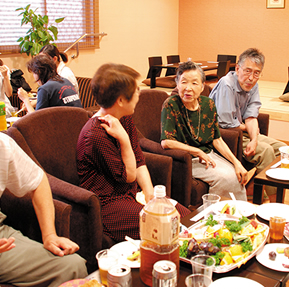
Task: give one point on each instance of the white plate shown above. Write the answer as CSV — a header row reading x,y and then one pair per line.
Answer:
x,y
12,119
265,211
246,209
241,282
263,257
279,174
126,249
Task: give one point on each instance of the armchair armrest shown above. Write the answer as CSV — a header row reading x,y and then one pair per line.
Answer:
x,y
21,216
233,137
160,169
181,172
263,121
85,220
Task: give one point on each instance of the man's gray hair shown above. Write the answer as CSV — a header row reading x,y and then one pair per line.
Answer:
x,y
254,55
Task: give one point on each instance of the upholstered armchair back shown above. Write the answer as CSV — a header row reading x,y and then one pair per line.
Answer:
x,y
149,123
53,140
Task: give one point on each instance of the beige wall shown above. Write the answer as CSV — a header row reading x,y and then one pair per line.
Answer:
x,y
211,27
136,30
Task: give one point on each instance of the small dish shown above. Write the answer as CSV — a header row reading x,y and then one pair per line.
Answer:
x,y
263,257
126,249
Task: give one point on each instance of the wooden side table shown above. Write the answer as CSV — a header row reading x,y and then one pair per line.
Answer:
x,y
261,179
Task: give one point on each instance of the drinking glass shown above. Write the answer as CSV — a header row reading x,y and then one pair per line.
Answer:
x,y
208,200
276,227
284,151
106,258
203,264
14,110
198,280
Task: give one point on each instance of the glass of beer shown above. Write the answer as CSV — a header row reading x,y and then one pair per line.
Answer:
x,y
276,226
106,258
284,157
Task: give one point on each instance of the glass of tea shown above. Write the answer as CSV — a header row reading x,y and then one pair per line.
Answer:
x,y
276,225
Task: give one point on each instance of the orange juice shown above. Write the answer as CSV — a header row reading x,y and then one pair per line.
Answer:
x,y
277,225
3,123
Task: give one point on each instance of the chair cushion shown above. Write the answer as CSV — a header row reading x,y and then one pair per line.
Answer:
x,y
167,81
284,97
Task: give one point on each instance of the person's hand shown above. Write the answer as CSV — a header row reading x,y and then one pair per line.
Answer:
x,y
22,94
148,196
204,158
6,244
250,149
241,173
113,127
4,70
60,246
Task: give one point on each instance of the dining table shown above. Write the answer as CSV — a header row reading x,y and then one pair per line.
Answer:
x,y
252,269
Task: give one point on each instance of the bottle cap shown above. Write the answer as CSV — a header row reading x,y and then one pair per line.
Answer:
x,y
159,191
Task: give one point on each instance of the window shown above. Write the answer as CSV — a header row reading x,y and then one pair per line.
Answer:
x,y
81,16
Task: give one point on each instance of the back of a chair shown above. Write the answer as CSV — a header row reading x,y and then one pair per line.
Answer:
x,y
147,115
172,59
225,57
155,60
52,135
223,68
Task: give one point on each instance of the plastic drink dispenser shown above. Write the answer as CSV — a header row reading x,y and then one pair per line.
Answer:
x,y
159,233
3,123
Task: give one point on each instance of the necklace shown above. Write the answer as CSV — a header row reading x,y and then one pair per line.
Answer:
x,y
188,121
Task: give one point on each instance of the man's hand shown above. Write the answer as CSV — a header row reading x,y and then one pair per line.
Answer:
x,y
6,244
251,148
60,246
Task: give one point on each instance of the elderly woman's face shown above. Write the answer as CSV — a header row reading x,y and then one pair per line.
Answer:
x,y
190,86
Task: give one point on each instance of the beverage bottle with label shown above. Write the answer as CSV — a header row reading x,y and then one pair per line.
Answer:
x,y
159,233
3,123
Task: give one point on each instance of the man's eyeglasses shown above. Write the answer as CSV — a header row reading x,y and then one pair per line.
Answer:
x,y
247,72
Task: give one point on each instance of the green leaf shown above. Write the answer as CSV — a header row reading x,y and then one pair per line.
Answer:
x,y
54,30
45,19
58,20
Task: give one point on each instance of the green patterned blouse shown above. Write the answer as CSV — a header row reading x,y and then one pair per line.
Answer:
x,y
176,121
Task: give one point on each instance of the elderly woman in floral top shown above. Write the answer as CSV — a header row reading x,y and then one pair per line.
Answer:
x,y
189,122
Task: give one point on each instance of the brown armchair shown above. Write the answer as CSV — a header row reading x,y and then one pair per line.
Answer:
x,y
49,136
185,189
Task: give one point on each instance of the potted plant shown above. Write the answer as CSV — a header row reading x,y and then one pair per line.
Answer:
x,y
39,34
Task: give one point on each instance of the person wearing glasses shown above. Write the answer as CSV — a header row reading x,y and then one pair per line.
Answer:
x,y
237,100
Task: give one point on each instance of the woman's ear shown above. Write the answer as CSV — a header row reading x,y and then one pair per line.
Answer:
x,y
119,101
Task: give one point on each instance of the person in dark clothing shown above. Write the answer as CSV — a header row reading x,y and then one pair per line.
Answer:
x,y
53,90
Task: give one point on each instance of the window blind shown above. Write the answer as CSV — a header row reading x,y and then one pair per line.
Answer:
x,y
81,16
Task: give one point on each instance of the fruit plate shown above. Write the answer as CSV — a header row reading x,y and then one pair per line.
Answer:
x,y
262,231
